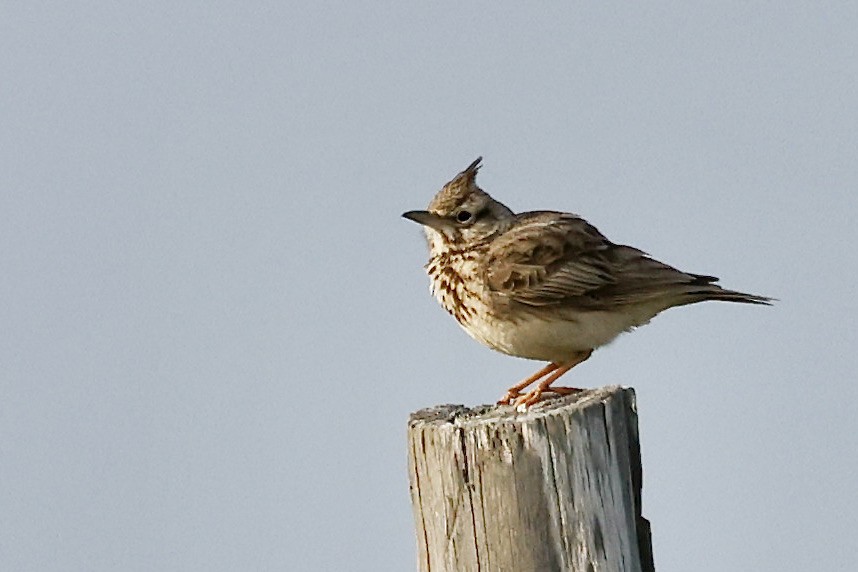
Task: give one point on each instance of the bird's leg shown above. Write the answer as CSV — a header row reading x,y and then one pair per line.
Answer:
x,y
515,391
534,395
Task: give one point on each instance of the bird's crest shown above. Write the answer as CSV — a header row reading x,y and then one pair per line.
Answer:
x,y
457,190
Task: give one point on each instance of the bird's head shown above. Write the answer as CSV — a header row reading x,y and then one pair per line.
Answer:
x,y
462,214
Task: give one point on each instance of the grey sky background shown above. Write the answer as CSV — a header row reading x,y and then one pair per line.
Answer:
x,y
213,322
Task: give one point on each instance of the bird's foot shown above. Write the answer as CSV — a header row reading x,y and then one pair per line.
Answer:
x,y
524,401
564,390
514,392
509,397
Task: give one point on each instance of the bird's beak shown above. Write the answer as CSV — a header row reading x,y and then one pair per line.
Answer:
x,y
426,218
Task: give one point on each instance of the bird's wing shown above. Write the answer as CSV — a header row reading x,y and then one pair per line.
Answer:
x,y
555,258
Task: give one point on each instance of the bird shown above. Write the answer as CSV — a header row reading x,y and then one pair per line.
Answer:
x,y
545,285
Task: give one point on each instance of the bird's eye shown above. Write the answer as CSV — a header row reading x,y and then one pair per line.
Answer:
x,y
464,216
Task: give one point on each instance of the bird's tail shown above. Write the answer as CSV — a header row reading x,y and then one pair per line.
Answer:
x,y
703,288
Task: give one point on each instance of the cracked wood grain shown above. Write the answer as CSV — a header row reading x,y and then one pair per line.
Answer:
x,y
555,488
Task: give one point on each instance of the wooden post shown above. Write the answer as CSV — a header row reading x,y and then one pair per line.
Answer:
x,y
554,488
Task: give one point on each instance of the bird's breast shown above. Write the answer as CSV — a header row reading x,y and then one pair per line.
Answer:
x,y
456,284
515,329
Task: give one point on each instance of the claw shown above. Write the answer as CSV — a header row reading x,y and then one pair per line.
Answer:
x,y
509,397
564,390
528,399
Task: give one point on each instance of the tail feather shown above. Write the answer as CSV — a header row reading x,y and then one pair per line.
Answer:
x,y
715,292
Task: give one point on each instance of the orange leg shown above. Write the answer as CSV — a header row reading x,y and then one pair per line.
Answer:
x,y
534,395
515,391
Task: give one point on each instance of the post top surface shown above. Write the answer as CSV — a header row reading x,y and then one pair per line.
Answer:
x,y
461,415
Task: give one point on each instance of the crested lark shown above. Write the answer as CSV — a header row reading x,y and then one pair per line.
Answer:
x,y
544,285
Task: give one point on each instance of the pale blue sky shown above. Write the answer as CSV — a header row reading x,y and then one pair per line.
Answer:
x,y
215,324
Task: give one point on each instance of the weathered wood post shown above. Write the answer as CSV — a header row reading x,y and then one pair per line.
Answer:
x,y
555,488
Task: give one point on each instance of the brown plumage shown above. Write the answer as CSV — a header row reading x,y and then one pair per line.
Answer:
x,y
545,285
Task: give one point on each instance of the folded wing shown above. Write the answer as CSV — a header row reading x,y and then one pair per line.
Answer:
x,y
553,258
